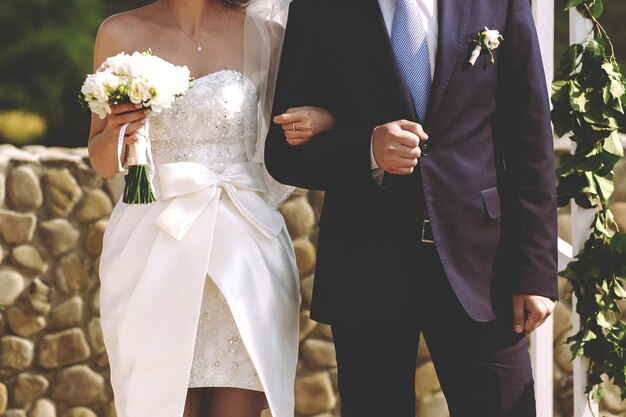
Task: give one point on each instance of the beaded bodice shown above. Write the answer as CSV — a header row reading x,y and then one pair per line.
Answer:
x,y
214,123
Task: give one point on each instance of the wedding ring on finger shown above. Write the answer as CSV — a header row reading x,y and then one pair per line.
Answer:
x,y
293,126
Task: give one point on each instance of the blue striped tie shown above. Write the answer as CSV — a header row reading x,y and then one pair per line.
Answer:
x,y
408,39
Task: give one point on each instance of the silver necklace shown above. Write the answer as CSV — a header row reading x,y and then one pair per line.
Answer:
x,y
199,42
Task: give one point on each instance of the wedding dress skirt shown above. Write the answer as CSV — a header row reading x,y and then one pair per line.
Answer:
x,y
174,271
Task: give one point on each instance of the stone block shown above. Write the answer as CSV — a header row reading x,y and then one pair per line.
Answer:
x,y
62,192
79,386
64,348
29,387
17,228
58,235
94,206
315,394
325,331
306,324
305,255
11,286
43,408
23,189
306,289
563,357
17,353
96,339
38,294
426,381
72,274
4,398
95,234
299,217
422,352
79,412
318,354
24,323
68,314
433,405
94,304
29,258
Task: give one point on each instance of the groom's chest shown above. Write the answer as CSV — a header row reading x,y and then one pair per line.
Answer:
x,y
365,70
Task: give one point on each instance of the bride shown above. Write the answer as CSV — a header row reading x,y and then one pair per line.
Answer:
x,y
199,291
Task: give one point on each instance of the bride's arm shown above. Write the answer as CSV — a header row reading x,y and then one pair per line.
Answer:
x,y
300,124
104,132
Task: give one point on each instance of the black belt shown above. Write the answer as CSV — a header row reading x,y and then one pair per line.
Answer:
x,y
427,232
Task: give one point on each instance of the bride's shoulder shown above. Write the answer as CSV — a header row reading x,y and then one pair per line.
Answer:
x,y
126,31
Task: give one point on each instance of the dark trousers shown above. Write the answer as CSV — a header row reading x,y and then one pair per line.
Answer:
x,y
484,368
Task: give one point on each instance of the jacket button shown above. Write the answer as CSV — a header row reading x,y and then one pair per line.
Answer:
x,y
425,149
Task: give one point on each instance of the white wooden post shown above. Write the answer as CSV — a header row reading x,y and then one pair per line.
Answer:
x,y
582,219
542,339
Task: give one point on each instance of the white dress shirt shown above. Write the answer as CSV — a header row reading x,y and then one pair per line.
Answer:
x,y
428,10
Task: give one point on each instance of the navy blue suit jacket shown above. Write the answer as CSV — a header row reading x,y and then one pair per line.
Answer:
x,y
486,178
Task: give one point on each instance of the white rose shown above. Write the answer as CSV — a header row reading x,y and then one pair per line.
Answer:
x,y
94,89
118,63
100,108
491,38
139,91
109,80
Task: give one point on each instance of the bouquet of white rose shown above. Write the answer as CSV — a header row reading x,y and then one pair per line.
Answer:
x,y
140,78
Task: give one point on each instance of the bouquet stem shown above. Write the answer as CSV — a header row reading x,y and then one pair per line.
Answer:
x,y
138,188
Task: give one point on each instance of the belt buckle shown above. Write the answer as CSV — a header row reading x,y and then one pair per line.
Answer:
x,y
427,232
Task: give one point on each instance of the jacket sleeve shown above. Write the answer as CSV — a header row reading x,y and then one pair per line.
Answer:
x,y
330,159
527,144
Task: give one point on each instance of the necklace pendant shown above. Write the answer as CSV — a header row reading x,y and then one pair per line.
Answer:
x,y
199,48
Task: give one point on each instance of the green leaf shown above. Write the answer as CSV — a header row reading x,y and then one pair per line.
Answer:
x,y
597,8
618,243
578,101
588,336
617,89
572,3
619,291
602,321
594,49
613,145
569,59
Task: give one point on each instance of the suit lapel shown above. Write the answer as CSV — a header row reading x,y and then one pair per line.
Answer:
x,y
453,19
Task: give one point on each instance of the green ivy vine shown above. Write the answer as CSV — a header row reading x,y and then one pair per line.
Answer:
x,y
589,98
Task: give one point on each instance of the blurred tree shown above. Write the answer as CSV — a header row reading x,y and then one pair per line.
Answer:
x,y
45,54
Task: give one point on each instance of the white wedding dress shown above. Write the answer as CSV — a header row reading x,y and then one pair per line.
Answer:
x,y
200,289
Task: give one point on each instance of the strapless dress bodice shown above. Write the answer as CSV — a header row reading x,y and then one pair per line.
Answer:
x,y
214,123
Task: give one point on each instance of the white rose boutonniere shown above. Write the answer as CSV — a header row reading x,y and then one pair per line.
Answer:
x,y
488,39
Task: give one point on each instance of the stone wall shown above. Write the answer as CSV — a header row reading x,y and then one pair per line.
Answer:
x,y
53,212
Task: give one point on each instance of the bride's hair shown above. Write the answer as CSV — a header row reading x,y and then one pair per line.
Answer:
x,y
238,4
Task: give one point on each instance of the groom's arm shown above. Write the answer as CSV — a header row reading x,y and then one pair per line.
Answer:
x,y
328,159
526,140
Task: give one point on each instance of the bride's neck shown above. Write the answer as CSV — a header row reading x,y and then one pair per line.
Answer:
x,y
195,15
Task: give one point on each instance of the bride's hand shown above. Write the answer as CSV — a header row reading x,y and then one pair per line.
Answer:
x,y
126,113
302,123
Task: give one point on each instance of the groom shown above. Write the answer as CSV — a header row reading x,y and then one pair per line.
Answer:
x,y
439,213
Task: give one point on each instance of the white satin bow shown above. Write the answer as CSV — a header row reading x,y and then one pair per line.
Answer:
x,y
192,187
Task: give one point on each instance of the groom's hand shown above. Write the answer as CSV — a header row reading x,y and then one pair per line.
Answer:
x,y
396,146
530,311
